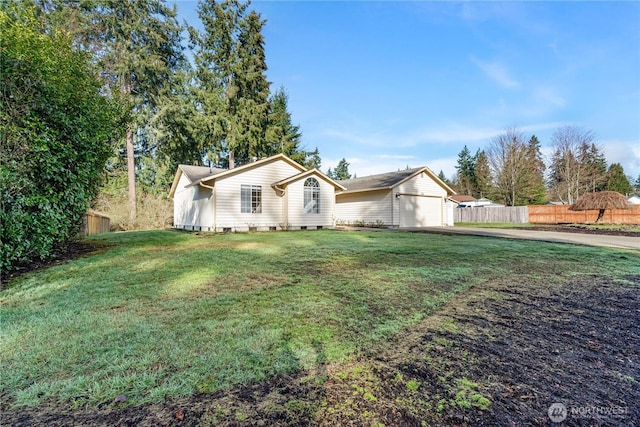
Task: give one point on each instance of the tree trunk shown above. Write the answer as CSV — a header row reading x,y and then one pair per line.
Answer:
x,y
131,174
600,215
232,160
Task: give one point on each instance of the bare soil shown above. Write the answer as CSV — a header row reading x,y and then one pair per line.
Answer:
x,y
69,251
500,354
583,229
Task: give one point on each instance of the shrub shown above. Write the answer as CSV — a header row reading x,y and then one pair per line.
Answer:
x,y
57,130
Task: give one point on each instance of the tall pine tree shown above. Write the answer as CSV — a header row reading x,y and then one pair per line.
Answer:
x,y
482,176
230,81
537,192
137,45
282,135
466,172
617,180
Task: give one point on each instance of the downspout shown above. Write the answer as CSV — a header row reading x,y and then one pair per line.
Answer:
x,y
282,192
213,204
392,201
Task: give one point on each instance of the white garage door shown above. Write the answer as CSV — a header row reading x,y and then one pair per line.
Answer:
x,y
420,211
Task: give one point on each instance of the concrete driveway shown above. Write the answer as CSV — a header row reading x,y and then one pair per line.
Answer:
x,y
621,242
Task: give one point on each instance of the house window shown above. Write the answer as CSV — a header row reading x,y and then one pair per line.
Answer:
x,y
251,199
311,196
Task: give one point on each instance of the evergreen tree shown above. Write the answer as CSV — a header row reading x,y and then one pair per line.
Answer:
x,y
637,185
253,90
284,137
178,130
617,180
313,160
443,178
594,165
137,45
341,171
465,172
536,166
231,82
482,176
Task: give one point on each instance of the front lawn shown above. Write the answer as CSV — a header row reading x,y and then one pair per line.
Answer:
x,y
163,314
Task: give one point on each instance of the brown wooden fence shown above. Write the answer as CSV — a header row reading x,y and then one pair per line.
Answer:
x,y
95,222
560,214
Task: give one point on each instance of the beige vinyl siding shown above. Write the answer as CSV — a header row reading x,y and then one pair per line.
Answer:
x,y
192,207
227,197
421,185
369,206
297,218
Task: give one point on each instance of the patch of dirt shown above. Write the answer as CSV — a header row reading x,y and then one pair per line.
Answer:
x,y
583,229
71,250
499,354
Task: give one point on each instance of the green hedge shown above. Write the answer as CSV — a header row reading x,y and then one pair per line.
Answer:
x,y
57,133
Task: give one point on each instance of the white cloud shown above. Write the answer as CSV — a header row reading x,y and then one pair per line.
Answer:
x,y
450,133
627,153
497,72
548,96
382,163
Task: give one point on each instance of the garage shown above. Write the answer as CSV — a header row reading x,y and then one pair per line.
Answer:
x,y
405,199
420,211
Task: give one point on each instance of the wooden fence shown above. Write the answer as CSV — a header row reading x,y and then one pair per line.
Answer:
x,y
517,214
94,223
560,214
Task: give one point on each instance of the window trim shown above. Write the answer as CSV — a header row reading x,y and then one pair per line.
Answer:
x,y
311,193
250,199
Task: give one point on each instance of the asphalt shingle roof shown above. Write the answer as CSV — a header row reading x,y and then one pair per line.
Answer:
x,y
195,173
383,180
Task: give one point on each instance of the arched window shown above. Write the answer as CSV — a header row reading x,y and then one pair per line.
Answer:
x,y
311,196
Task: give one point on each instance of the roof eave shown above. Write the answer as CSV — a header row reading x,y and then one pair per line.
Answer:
x,y
365,190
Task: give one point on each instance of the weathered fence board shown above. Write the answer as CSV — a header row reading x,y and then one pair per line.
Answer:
x,y
94,223
560,214
516,214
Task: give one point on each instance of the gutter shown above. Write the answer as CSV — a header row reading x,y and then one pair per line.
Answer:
x,y
213,205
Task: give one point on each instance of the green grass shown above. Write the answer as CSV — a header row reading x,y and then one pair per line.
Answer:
x,y
164,314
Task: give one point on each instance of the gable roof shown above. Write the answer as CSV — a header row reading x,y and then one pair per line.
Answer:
x,y
304,174
460,198
227,172
201,174
386,181
195,173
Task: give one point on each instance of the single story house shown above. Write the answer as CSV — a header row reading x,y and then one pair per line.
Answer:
x,y
269,194
475,203
408,198
462,199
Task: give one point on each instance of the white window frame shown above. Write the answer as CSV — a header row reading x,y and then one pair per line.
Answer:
x,y
311,199
251,199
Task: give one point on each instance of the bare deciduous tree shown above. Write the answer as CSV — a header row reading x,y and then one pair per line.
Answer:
x,y
577,164
508,160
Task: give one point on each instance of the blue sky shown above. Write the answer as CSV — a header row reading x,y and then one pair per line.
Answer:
x,y
388,85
